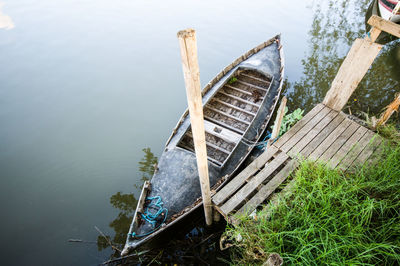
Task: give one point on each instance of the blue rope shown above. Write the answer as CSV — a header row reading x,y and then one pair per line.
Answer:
x,y
152,217
265,141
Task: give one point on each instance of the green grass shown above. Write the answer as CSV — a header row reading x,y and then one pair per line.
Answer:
x,y
331,218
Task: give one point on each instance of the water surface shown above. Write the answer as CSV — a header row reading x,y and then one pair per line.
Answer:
x,y
86,85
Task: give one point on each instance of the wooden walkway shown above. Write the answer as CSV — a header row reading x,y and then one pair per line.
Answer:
x,y
323,134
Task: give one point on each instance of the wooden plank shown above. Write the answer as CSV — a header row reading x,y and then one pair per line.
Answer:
x,y
269,188
191,73
384,25
367,152
212,145
243,176
304,130
352,70
356,150
221,132
228,115
257,180
238,89
222,124
328,140
255,78
342,152
338,143
251,85
283,139
295,150
182,145
239,99
234,107
322,135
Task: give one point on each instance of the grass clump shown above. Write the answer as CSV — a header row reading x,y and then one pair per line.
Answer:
x,y
331,218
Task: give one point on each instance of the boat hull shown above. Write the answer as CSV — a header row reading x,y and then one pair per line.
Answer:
x,y
176,180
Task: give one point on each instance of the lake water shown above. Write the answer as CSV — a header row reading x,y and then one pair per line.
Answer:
x,y
86,85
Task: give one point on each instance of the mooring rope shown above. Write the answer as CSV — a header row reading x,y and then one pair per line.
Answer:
x,y
152,218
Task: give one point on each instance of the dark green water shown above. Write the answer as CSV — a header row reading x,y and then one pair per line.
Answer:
x,y
86,85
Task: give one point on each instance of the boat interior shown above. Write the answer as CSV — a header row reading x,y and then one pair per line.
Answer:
x,y
229,113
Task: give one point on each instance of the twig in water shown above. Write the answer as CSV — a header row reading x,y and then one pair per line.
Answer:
x,y
81,241
108,240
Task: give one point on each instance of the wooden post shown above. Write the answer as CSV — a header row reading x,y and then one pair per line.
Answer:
x,y
278,121
188,45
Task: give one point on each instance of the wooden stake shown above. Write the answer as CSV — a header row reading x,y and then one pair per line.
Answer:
x,y
188,45
278,121
390,109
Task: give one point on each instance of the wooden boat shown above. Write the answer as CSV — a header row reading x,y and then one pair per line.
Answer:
x,y
383,9
238,104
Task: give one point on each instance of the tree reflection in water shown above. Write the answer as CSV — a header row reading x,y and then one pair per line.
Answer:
x,y
335,26
126,204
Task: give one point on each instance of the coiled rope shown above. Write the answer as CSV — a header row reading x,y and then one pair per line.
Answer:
x,y
152,217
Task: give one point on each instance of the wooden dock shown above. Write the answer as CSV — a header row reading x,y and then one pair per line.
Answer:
x,y
323,134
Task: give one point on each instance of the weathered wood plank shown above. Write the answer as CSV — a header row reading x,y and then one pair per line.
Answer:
x,y
221,132
247,189
338,143
304,130
356,150
342,152
238,89
385,25
269,188
251,85
243,176
283,139
257,79
222,124
367,152
322,135
318,128
234,107
239,99
191,73
352,70
327,141
228,115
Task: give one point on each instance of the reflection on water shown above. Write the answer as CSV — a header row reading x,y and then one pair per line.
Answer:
x,y
126,204
5,20
336,24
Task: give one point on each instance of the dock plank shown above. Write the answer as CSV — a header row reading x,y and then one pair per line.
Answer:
x,y
328,141
367,152
246,190
338,143
326,124
269,188
304,130
342,152
243,176
356,150
283,139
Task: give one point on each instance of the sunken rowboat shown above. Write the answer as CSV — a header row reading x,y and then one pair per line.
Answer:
x,y
238,104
